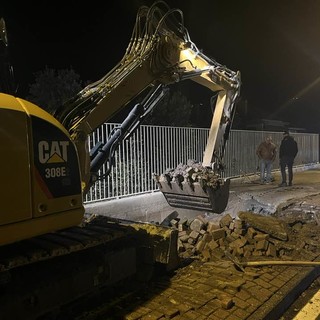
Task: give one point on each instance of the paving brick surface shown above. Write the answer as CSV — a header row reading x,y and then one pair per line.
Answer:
x,y
213,287
256,299
221,290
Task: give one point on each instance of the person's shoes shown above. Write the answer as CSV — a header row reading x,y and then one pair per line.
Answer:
x,y
290,184
283,184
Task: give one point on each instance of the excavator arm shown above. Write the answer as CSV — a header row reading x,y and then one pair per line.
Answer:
x,y
50,153
160,53
103,153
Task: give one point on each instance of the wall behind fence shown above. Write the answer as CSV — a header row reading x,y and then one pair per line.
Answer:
x,y
154,149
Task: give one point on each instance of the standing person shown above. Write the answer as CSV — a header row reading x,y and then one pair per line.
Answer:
x,y
266,153
287,153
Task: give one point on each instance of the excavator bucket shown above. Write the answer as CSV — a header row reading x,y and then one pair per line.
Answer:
x,y
195,197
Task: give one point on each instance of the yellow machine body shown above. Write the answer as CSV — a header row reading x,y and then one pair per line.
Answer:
x,y
41,185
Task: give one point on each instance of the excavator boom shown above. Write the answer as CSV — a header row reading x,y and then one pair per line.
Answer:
x,y
160,53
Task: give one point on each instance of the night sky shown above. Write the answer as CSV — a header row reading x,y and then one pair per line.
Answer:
x,y
275,45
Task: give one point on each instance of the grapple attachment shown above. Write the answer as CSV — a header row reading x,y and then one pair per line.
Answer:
x,y
195,197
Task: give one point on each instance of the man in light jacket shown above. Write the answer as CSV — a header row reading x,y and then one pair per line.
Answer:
x,y
266,153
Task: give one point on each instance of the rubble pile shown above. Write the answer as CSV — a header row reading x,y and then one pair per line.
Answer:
x,y
190,173
247,237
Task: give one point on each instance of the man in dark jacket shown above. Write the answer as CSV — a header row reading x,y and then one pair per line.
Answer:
x,y
287,153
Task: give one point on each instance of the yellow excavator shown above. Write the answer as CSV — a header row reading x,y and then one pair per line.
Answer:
x,y
47,168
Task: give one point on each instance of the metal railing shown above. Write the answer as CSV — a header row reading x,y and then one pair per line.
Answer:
x,y
154,149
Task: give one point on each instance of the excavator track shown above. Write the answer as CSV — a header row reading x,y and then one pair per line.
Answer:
x,y
41,274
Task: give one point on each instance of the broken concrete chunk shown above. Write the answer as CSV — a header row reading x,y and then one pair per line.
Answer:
x,y
271,225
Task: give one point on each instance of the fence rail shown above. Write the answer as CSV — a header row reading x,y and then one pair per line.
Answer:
x,y
154,149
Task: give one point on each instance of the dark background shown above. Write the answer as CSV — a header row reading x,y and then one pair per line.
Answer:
x,y
274,44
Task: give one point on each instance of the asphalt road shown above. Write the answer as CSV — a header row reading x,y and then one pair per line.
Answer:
x,y
246,193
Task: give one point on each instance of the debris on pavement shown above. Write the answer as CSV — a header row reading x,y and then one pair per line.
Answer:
x,y
248,237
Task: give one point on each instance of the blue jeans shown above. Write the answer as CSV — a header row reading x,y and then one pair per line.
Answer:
x,y
265,170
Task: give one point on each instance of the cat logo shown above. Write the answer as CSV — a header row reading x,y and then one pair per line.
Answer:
x,y
53,151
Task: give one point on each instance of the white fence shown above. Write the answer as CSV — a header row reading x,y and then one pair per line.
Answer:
x,y
154,149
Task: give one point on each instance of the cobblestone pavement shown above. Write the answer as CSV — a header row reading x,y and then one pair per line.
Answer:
x,y
221,290
212,291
